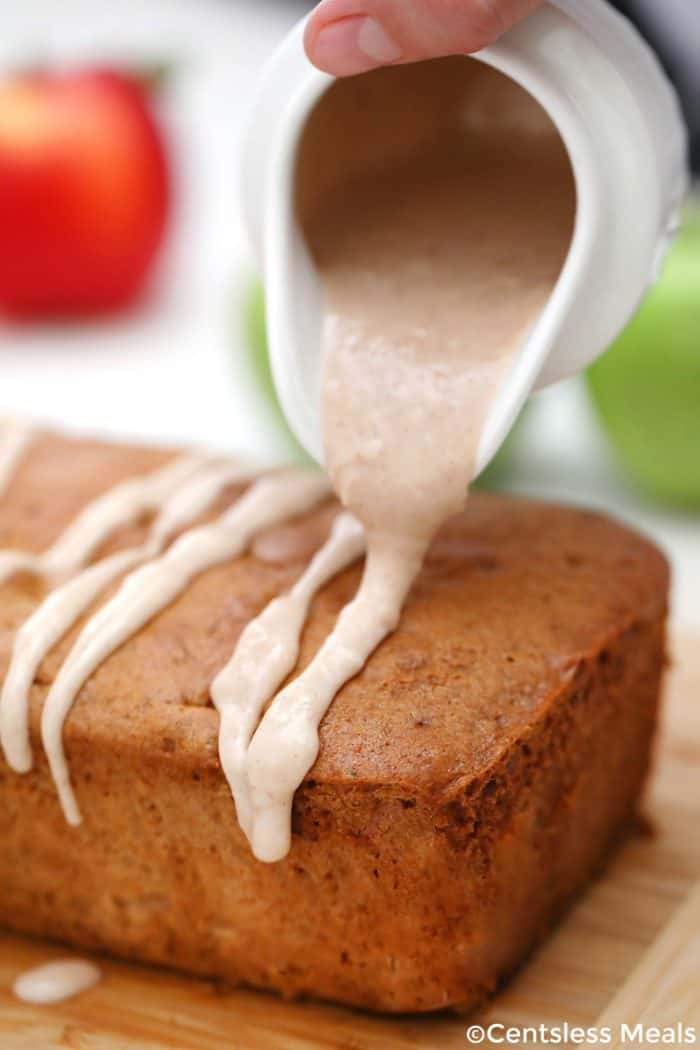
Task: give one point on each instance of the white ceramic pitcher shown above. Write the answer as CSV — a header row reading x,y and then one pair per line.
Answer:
x,y
619,119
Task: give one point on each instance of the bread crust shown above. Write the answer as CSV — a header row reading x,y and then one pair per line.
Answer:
x,y
471,780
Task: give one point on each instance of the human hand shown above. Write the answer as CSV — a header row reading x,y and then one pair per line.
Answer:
x,y
344,37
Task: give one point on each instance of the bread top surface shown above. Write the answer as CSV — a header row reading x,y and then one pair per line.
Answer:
x,y
513,594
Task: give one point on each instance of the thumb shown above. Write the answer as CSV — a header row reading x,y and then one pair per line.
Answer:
x,y
353,36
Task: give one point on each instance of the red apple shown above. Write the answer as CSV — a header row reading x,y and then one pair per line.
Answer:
x,y
84,192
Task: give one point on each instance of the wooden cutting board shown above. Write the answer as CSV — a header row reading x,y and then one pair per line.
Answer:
x,y
572,978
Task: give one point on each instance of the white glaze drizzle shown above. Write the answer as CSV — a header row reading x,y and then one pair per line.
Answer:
x,y
120,506
15,438
55,981
285,744
155,585
64,605
267,651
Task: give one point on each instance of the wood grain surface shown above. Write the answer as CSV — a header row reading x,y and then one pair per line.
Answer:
x,y
578,976
664,990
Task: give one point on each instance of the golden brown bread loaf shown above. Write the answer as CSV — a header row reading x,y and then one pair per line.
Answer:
x,y
470,781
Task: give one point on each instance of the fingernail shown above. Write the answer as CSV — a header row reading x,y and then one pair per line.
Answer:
x,y
354,45
374,42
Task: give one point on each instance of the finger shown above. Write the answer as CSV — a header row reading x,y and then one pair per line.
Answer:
x,y
344,37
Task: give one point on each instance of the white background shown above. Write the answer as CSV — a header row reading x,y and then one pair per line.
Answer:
x,y
176,368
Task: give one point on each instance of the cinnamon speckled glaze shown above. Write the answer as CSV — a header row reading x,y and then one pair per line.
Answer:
x,y
471,779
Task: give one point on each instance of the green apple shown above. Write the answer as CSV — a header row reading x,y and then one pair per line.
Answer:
x,y
257,343
259,364
646,388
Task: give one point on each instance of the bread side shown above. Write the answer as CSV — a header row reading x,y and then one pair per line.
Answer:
x,y
470,780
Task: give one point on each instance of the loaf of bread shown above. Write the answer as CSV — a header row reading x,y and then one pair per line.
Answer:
x,y
470,782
